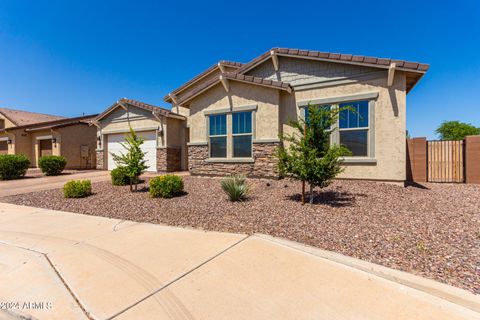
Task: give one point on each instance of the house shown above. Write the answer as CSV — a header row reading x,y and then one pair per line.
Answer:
x,y
163,131
35,135
236,112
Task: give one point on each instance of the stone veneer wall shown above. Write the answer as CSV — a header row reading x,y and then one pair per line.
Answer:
x,y
169,159
100,162
264,166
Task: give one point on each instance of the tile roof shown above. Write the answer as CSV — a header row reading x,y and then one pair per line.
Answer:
x,y
138,104
232,64
337,57
235,77
21,118
55,123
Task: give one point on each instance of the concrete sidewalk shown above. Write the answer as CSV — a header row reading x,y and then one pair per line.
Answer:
x,y
58,265
32,184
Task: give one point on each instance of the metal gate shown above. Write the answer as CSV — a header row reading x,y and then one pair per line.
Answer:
x,y
445,161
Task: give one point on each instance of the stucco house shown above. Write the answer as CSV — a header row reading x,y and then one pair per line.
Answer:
x,y
163,131
35,135
235,112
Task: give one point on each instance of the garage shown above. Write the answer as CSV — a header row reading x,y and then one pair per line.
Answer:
x,y
149,147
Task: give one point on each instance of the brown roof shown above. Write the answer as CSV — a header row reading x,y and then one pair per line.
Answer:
x,y
22,118
235,77
337,57
232,64
138,104
55,123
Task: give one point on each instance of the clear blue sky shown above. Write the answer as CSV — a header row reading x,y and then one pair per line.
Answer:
x,y
70,57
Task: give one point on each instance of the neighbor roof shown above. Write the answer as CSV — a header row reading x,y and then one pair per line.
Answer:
x,y
195,79
138,104
235,77
22,118
63,122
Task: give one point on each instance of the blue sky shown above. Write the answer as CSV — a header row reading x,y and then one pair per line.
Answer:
x,y
74,57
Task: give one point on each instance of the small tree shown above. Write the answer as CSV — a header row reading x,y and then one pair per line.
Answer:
x,y
456,130
134,160
309,157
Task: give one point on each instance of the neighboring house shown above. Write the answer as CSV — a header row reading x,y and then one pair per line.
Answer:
x,y
35,135
235,113
163,131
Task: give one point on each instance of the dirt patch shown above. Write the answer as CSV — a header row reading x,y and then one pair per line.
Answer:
x,y
432,230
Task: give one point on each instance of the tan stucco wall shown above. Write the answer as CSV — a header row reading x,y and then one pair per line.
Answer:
x,y
389,127
266,99
7,122
21,143
71,139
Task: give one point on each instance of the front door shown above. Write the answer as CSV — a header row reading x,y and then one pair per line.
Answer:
x,y
45,147
3,147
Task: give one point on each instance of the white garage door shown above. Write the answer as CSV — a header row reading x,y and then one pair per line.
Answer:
x,y
149,146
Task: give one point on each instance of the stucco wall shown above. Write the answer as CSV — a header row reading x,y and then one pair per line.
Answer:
x,y
35,145
239,95
72,138
389,126
6,121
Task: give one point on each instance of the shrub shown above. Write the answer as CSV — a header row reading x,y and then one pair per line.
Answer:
x,y
236,187
77,189
13,166
120,177
166,186
52,165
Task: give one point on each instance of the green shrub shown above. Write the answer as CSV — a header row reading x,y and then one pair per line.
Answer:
x,y
166,186
236,187
13,166
52,165
120,177
77,189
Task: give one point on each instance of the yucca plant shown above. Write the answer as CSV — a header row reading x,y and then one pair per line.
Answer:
x,y
236,187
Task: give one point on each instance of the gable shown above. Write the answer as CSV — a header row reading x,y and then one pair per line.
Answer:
x,y
298,72
121,115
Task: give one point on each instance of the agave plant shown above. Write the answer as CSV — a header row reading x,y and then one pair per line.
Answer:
x,y
236,187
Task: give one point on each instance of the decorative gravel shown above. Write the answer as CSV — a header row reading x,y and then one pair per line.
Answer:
x,y
431,230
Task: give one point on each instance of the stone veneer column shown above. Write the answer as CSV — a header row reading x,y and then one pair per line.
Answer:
x,y
161,159
472,159
100,163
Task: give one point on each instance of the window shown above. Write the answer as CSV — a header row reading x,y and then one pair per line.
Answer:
x,y
324,107
218,135
353,127
2,124
242,134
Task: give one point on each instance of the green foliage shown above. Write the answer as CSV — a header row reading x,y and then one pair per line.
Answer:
x,y
166,186
120,177
456,130
13,166
77,189
134,159
308,156
236,187
52,165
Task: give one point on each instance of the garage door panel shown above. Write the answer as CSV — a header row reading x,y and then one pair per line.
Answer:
x,y
149,147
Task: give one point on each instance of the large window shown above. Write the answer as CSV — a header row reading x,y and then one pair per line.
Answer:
x,y
353,127
242,134
218,136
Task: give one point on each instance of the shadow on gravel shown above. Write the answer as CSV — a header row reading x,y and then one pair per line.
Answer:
x,y
329,198
411,184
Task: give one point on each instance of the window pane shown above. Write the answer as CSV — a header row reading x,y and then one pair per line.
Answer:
x,y
242,146
356,141
218,147
354,117
242,122
307,115
218,124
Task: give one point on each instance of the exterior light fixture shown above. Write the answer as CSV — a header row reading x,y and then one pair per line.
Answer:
x,y
54,140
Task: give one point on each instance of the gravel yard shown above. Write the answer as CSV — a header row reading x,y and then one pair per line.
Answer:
x,y
431,230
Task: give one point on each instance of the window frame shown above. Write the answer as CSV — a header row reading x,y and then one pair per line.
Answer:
x,y
217,136
242,134
335,136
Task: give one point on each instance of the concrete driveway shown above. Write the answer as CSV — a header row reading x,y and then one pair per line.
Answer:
x,y
58,265
32,184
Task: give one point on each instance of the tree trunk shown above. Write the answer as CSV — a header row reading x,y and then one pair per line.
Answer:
x,y
303,192
311,194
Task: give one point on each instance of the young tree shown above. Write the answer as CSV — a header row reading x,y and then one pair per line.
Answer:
x,y
309,157
134,160
456,130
